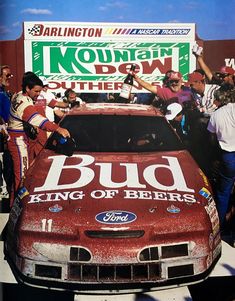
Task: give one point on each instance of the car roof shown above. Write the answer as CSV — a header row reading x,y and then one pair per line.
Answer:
x,y
115,109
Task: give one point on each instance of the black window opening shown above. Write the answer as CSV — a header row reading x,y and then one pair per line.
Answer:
x,y
119,133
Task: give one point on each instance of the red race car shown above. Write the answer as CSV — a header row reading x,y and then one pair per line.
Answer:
x,y
120,207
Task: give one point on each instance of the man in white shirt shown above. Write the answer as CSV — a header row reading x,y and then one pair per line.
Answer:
x,y
47,101
203,93
222,125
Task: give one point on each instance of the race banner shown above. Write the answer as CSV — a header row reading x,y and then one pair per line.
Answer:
x,y
96,57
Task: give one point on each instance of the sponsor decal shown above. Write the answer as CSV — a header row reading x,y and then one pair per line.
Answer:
x,y
217,239
56,196
205,180
210,208
64,31
85,165
46,225
115,217
153,209
110,194
95,56
44,30
217,251
211,240
173,209
213,215
152,31
14,214
84,65
209,260
22,192
230,62
175,190
159,196
56,208
204,192
98,30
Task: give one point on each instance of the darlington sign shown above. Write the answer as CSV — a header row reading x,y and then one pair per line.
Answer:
x,y
96,57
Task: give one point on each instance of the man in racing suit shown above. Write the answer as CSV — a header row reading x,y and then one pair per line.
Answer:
x,y
45,104
23,109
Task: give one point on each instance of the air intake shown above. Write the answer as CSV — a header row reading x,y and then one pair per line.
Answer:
x,y
79,254
114,234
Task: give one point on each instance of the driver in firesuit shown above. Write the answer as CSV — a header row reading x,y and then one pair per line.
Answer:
x,y
23,109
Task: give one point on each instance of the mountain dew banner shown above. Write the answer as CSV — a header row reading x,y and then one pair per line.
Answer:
x,y
96,58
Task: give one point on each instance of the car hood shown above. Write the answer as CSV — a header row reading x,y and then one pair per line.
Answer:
x,y
98,191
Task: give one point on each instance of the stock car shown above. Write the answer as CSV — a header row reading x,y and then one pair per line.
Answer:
x,y
119,207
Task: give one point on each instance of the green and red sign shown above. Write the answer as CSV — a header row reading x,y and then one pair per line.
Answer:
x,y
97,58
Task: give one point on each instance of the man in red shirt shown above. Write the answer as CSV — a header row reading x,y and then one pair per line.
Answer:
x,y
172,91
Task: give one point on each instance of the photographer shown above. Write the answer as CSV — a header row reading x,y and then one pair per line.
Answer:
x,y
71,100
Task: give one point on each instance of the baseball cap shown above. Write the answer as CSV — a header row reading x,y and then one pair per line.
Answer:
x,y
44,80
174,76
226,70
195,77
173,110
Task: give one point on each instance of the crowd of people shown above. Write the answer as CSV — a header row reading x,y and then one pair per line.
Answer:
x,y
202,113
201,110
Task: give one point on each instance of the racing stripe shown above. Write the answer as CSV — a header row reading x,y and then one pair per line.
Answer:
x,y
22,154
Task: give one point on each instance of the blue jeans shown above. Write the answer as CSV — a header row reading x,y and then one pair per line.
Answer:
x,y
225,183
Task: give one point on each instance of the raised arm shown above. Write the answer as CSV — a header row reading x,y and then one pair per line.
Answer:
x,y
145,85
197,51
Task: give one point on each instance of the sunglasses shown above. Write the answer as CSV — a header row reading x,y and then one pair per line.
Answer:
x,y
222,75
173,81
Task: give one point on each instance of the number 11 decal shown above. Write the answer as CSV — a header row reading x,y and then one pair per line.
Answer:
x,y
46,225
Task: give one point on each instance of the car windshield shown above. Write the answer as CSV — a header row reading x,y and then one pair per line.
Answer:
x,y
118,133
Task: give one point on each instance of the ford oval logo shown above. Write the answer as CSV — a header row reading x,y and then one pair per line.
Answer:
x,y
115,217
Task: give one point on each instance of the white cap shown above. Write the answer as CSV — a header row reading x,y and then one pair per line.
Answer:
x,y
44,80
172,110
